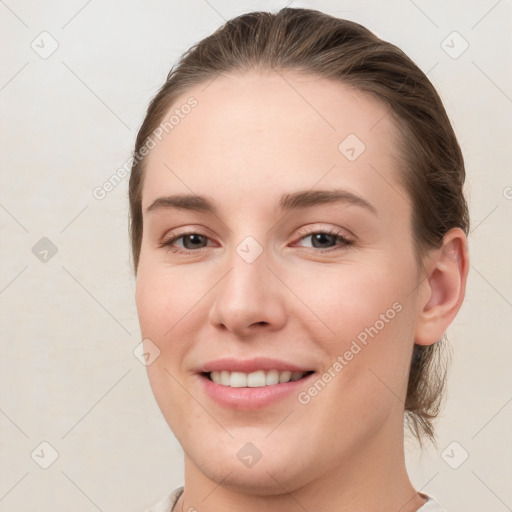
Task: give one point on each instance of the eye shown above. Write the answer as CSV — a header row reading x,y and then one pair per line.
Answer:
x,y
327,240
322,241
190,242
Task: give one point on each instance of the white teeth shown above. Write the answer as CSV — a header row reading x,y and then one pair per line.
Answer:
x,y
224,378
238,380
255,379
285,376
272,378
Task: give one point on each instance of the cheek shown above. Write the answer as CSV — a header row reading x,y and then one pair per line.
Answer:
x,y
366,331
351,299
166,300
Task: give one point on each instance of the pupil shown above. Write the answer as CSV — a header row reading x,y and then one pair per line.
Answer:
x,y
194,238
319,236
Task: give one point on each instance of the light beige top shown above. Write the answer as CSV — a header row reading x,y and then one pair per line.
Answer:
x,y
167,504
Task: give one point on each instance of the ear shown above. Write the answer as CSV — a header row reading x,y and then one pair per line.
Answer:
x,y
444,289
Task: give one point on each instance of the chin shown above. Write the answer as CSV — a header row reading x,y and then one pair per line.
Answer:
x,y
242,466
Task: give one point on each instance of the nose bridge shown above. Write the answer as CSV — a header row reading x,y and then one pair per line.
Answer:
x,y
247,296
249,263
249,273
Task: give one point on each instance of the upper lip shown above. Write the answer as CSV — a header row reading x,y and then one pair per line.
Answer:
x,y
250,365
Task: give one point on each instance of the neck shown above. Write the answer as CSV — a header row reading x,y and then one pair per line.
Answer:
x,y
373,477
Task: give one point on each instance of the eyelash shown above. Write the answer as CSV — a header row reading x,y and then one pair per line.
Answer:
x,y
167,244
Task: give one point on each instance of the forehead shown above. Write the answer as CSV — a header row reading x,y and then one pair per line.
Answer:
x,y
274,131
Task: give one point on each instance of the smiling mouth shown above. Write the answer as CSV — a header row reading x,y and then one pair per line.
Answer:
x,y
257,379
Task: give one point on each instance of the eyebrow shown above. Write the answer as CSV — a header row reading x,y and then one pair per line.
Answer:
x,y
287,202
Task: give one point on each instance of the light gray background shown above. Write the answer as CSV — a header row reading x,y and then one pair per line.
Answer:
x,y
69,325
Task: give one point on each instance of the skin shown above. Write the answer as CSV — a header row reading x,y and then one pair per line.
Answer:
x,y
251,138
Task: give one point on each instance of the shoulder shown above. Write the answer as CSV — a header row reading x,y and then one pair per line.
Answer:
x,y
167,503
431,505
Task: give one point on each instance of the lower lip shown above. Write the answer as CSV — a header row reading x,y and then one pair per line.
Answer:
x,y
251,398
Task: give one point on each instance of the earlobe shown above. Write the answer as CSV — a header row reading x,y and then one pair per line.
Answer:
x,y
445,287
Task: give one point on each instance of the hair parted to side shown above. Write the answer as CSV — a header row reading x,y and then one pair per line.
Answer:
x,y
432,166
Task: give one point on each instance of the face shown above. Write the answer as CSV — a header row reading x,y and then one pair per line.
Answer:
x,y
294,257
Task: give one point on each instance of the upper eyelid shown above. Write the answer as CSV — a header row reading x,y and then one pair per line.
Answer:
x,y
331,230
302,233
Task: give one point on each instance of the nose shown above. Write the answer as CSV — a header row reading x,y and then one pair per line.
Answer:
x,y
249,299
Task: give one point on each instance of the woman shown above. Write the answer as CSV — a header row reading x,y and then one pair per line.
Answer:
x,y
298,230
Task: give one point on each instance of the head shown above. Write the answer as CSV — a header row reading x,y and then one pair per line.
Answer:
x,y
269,105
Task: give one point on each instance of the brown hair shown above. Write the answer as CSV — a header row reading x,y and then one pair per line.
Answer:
x,y
312,42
